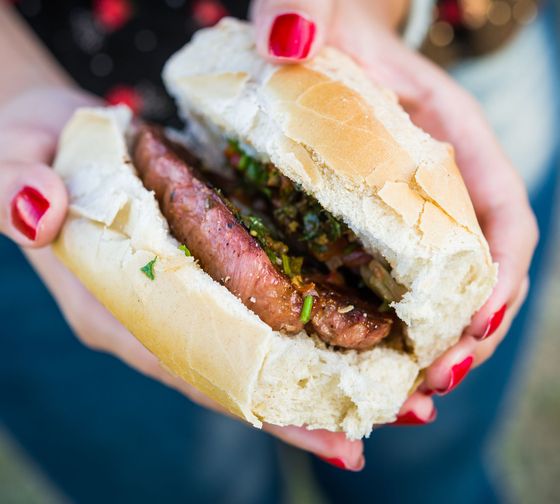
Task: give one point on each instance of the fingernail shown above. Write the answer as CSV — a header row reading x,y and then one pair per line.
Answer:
x,y
341,464
494,322
291,36
28,208
411,418
458,373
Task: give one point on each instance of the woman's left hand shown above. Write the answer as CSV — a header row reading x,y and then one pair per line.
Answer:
x,y
294,30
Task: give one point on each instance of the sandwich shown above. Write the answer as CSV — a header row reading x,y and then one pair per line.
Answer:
x,y
300,252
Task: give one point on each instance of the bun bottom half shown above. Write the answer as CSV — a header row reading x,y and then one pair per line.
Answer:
x,y
197,329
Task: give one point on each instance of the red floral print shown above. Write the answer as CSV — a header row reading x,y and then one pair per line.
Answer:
x,y
112,14
125,95
208,12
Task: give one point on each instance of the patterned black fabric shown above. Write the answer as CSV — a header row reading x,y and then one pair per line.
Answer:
x,y
117,48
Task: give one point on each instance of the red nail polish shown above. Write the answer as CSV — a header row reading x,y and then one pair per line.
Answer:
x,y
28,208
458,373
291,36
411,418
340,464
494,322
334,462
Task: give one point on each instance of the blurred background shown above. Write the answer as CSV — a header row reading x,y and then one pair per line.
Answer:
x,y
525,454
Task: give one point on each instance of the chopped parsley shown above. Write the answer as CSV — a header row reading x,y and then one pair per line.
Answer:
x,y
148,269
305,315
185,249
297,213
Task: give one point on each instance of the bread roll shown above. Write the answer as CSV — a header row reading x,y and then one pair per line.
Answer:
x,y
347,143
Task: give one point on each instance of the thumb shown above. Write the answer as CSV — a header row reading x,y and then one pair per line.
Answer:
x,y
331,447
33,203
291,30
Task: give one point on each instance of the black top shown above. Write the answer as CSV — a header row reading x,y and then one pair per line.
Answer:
x,y
117,48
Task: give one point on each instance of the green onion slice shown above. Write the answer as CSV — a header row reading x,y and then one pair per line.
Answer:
x,y
286,265
185,250
305,315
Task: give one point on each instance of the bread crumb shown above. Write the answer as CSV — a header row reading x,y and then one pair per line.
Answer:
x,y
346,309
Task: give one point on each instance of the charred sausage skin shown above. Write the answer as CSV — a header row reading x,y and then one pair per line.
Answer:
x,y
201,219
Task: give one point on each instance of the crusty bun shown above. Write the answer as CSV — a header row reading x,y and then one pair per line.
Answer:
x,y
347,143
195,326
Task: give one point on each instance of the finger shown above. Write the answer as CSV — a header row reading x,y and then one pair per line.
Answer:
x,y
291,30
451,368
33,203
512,234
56,105
501,201
485,349
418,409
332,447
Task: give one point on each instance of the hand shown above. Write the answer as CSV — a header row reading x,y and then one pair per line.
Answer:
x,y
362,29
33,204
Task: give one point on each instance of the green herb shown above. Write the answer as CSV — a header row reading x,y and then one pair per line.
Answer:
x,y
296,263
286,265
256,173
185,250
148,269
311,226
335,228
350,248
234,144
243,162
305,315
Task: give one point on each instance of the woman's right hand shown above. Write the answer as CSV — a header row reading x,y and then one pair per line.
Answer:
x,y
33,205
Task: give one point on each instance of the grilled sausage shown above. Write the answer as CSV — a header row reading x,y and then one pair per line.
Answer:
x,y
201,219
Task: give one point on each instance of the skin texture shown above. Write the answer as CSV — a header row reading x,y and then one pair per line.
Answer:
x,y
28,141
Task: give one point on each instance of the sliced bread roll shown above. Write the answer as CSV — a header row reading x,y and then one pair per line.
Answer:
x,y
349,144
195,326
343,140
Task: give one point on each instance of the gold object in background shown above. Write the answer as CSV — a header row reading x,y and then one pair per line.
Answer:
x,y
469,28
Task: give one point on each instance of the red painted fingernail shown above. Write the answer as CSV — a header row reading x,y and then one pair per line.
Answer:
x,y
340,464
494,322
411,418
423,389
28,208
291,36
458,373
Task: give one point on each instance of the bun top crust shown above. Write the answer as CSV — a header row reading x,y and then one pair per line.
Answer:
x,y
356,130
347,142
342,129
